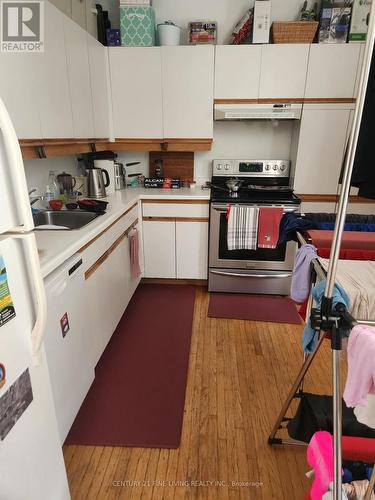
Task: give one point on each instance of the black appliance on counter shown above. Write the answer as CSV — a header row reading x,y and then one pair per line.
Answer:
x,y
262,183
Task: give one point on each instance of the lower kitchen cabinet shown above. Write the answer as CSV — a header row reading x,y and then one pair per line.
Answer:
x,y
159,248
175,248
191,249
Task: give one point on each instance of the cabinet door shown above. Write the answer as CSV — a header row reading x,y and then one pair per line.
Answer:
x,y
20,93
136,92
191,249
53,86
320,150
332,70
100,320
187,75
283,71
159,247
237,71
100,87
79,79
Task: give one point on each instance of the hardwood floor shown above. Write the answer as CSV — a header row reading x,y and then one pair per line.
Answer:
x,y
239,375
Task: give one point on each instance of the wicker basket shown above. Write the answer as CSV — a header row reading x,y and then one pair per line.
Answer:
x,y
294,31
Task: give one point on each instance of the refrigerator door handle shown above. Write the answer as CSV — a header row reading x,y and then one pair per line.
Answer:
x,y
16,171
40,294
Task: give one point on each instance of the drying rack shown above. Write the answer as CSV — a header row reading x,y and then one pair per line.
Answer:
x,y
330,317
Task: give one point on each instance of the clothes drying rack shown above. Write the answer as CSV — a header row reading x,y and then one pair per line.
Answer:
x,y
330,318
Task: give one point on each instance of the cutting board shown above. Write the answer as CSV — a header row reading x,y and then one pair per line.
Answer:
x,y
175,164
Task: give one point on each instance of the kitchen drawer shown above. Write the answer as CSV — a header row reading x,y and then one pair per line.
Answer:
x,y
196,209
100,244
117,229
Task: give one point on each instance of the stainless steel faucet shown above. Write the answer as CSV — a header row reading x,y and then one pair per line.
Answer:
x,y
33,199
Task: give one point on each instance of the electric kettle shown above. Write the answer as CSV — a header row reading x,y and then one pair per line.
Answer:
x,y
96,183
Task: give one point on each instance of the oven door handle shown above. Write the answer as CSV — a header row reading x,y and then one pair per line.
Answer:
x,y
253,275
224,208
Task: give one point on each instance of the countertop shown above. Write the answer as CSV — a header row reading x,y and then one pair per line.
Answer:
x,y
57,246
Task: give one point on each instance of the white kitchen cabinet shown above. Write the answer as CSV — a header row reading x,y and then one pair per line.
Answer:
x,y
187,84
159,248
19,91
191,249
64,6
283,71
91,18
79,79
53,86
321,147
237,71
100,320
136,92
100,88
332,70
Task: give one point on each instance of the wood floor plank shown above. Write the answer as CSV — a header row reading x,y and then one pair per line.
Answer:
x,y
240,373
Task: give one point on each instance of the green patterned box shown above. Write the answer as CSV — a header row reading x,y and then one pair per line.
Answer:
x,y
137,25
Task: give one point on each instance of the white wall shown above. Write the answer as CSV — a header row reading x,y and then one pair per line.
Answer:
x,y
245,140
226,12
37,171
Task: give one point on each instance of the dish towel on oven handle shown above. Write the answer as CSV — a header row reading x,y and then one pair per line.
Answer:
x,y
269,226
242,227
134,253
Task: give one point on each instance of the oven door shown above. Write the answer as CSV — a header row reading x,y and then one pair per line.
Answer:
x,y
279,259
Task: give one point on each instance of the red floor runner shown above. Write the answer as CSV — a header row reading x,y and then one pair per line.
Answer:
x,y
253,307
137,397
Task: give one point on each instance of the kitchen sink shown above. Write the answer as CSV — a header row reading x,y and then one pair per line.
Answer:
x,y
65,219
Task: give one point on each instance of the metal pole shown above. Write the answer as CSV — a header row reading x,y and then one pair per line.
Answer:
x,y
335,250
337,418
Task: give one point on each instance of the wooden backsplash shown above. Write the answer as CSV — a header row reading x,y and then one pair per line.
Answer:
x,y
175,164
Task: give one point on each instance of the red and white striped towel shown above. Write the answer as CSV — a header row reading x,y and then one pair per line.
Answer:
x,y
242,227
134,253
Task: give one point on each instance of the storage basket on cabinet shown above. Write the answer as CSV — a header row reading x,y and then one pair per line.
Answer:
x,y
294,31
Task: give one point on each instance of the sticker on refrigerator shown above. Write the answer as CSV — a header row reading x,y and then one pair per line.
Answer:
x,y
64,323
7,311
14,402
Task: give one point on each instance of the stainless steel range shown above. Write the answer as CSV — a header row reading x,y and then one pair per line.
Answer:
x,y
261,183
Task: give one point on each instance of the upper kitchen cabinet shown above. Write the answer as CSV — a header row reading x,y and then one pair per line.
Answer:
x,y
19,91
136,92
332,71
187,83
237,71
321,145
283,71
79,79
100,87
53,85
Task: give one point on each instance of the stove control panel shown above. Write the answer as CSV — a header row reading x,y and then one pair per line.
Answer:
x,y
251,168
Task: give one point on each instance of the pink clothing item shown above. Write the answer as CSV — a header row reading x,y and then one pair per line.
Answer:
x,y
320,457
134,253
361,366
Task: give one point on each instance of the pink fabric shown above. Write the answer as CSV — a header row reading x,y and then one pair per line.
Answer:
x,y
320,457
351,239
134,253
361,366
268,227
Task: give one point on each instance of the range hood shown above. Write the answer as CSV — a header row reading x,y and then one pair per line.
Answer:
x,y
277,111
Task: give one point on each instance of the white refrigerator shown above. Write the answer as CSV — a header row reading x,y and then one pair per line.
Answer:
x,y
31,459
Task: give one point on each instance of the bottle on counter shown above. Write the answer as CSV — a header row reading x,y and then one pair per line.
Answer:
x,y
53,186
